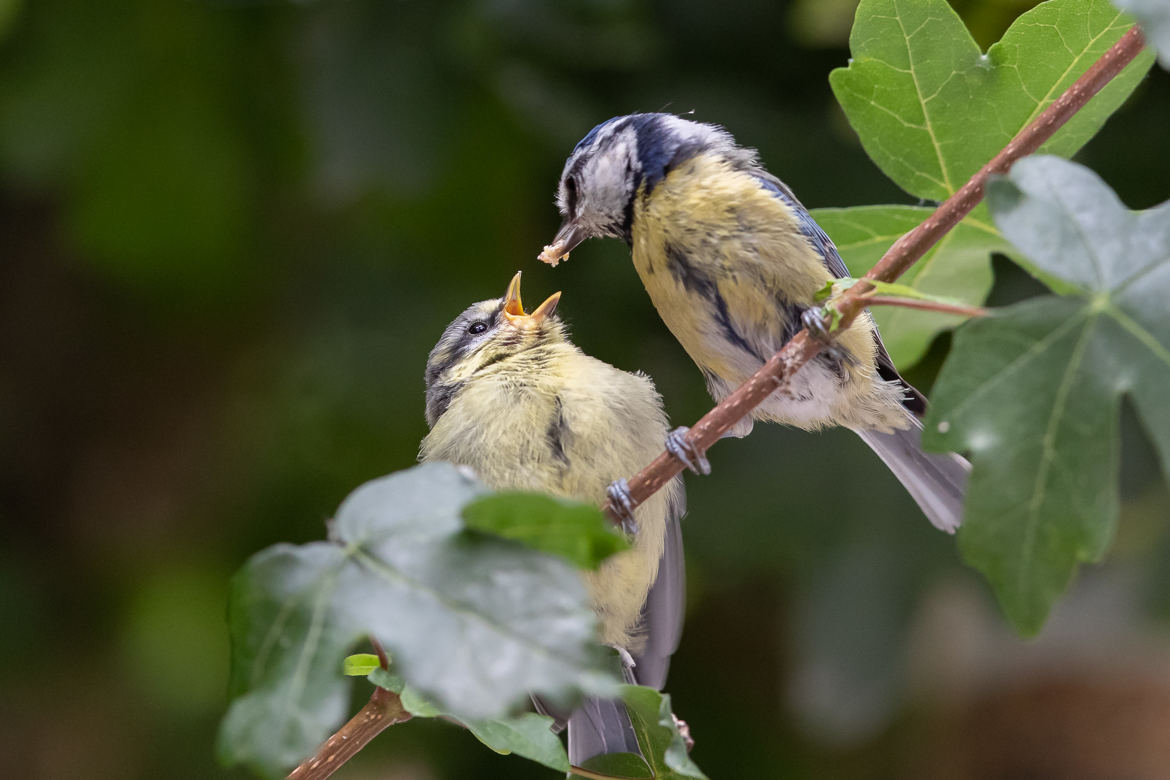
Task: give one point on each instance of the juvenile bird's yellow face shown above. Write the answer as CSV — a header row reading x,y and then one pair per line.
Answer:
x,y
486,333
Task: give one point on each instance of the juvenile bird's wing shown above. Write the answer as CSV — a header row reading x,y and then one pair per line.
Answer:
x,y
598,726
662,616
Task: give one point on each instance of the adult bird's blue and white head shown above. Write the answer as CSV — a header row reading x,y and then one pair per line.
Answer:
x,y
619,160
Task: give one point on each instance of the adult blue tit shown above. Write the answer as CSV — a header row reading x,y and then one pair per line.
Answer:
x,y
732,262
510,396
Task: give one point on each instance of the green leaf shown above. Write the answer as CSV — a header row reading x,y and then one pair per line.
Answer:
x,y
622,765
529,735
659,739
384,678
474,622
931,109
578,532
1154,17
412,701
957,267
359,664
1033,391
285,665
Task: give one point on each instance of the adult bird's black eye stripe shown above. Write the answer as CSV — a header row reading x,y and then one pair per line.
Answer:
x,y
571,195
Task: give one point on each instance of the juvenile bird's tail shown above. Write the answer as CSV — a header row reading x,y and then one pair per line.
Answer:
x,y
600,727
937,481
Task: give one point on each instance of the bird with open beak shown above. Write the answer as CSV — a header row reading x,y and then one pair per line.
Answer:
x,y
510,396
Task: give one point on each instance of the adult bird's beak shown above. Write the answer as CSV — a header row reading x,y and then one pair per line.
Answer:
x,y
514,309
565,241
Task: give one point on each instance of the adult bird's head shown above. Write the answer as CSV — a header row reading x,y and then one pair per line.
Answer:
x,y
485,334
616,162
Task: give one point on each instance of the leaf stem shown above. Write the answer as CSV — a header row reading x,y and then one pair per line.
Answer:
x,y
907,250
913,303
383,658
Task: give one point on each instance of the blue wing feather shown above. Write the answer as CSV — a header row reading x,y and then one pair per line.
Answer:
x,y
808,226
824,246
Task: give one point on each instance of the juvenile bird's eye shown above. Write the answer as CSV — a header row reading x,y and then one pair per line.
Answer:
x,y
477,327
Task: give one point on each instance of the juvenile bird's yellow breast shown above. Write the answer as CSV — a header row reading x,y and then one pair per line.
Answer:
x,y
559,422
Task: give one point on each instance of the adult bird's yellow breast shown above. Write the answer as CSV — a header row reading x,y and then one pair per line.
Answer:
x,y
725,263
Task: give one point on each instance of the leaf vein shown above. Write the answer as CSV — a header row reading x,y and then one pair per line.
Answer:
x,y
1048,456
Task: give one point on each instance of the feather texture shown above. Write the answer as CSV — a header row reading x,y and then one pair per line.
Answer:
x,y
528,410
732,260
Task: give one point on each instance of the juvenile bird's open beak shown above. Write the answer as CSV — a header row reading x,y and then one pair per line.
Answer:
x,y
565,241
514,309
512,305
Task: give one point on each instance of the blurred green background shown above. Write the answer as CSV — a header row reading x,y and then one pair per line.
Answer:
x,y
230,232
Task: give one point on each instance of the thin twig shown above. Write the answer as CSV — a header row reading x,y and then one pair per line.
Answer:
x,y
778,370
923,305
383,658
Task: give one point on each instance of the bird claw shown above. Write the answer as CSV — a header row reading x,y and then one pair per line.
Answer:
x,y
678,446
624,654
684,731
815,322
623,505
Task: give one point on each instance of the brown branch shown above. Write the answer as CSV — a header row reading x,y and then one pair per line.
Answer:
x,y
383,710
922,305
775,374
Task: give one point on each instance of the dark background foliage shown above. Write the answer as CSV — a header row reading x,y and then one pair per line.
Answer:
x,y
231,231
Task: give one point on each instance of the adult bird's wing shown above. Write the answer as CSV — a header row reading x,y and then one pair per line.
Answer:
x,y
914,401
936,481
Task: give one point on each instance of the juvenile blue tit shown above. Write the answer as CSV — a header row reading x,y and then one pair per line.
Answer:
x,y
510,396
732,260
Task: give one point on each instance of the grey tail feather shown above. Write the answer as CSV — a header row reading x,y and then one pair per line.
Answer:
x,y
937,481
599,727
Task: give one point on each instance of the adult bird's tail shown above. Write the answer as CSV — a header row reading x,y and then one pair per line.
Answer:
x,y
937,481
